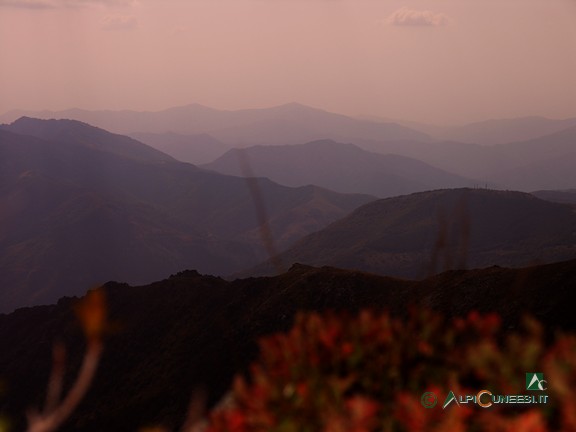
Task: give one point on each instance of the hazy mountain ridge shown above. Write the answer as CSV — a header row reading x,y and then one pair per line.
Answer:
x,y
543,163
337,166
301,123
152,362
503,131
540,163
418,234
466,160
541,160
79,133
66,225
490,132
194,149
232,124
173,213
69,205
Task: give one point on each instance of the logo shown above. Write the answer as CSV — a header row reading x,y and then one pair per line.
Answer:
x,y
449,399
428,400
486,398
535,381
485,404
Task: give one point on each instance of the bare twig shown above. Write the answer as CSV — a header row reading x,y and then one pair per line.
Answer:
x,y
54,392
92,314
50,419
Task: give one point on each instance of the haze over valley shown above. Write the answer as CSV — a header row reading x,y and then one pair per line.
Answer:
x,y
83,205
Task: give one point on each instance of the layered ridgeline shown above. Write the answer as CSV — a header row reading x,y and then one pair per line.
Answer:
x,y
285,124
540,163
296,123
522,154
194,149
337,166
81,206
420,234
496,131
193,332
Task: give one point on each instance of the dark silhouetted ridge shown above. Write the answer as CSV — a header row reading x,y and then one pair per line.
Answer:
x,y
419,234
192,331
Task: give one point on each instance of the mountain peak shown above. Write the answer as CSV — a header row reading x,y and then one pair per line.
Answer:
x,y
83,134
36,126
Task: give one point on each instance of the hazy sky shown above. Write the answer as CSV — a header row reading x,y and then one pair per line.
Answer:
x,y
426,60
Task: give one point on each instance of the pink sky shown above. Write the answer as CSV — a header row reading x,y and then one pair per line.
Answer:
x,y
441,61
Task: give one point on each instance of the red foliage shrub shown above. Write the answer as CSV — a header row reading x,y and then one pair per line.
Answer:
x,y
337,373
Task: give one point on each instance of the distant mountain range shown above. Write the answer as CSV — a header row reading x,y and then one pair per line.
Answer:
x,y
82,206
489,132
194,149
192,332
286,124
527,154
295,123
502,131
419,234
340,167
541,163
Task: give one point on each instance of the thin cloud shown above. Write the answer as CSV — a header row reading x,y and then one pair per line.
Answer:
x,y
119,22
411,17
